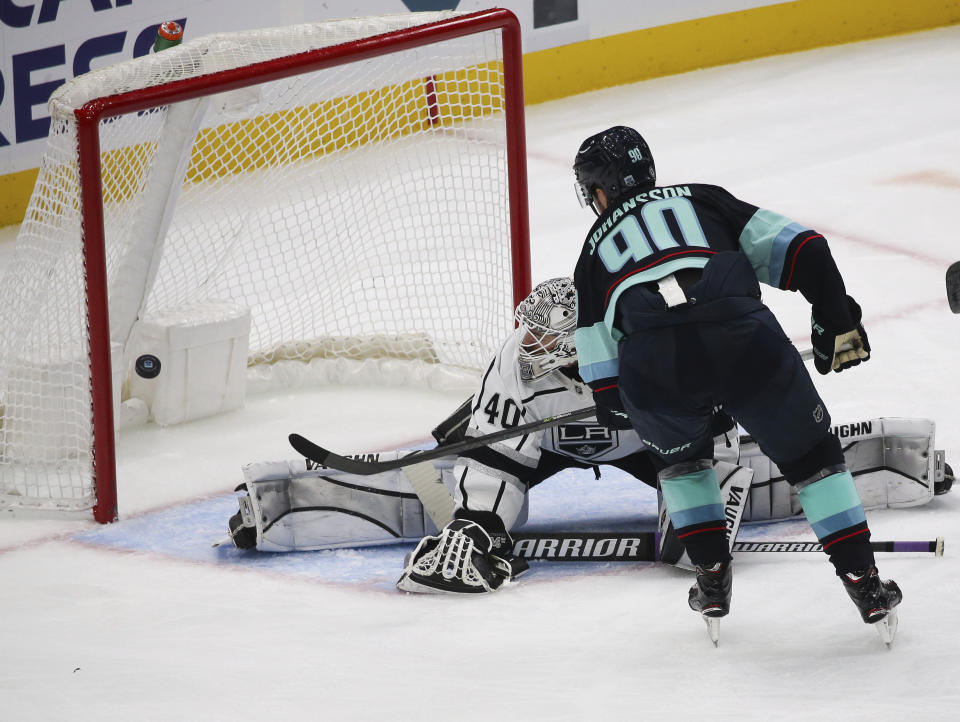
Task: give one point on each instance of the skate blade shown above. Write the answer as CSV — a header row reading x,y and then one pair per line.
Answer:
x,y
887,627
713,629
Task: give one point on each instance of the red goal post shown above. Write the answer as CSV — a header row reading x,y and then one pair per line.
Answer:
x,y
213,172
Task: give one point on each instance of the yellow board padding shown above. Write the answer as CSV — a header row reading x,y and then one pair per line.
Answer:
x,y
436,102
320,129
15,190
721,39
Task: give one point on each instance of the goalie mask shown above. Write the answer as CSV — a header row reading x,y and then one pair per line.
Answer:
x,y
546,320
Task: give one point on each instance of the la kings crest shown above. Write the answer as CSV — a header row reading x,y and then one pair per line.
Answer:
x,y
584,441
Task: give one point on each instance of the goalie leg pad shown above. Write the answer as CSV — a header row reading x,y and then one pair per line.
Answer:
x,y
456,561
290,507
892,460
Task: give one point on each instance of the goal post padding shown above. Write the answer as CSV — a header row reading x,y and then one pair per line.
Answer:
x,y
359,185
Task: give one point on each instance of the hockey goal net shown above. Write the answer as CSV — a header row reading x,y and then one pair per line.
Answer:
x,y
358,185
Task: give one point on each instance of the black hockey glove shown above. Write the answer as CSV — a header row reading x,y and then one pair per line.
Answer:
x,y
610,411
501,543
466,557
839,340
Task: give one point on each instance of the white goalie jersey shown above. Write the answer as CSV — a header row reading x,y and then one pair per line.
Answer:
x,y
496,477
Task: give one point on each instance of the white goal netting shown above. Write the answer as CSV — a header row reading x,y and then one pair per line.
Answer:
x,y
358,211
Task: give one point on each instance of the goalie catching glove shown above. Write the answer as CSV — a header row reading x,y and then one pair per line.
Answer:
x,y
464,558
839,342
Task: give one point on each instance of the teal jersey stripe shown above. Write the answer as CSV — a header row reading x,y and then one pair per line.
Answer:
x,y
765,240
697,515
830,496
597,354
692,491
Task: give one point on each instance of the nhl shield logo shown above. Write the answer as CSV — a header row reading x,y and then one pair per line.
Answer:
x,y
818,413
584,441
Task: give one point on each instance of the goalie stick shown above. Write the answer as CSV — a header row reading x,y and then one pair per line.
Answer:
x,y
564,546
953,286
325,457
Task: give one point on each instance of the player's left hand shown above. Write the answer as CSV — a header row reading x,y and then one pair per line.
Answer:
x,y
610,411
838,345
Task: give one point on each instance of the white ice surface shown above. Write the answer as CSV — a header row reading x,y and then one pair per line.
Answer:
x,y
142,621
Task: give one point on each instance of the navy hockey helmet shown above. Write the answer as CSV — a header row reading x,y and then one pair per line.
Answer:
x,y
618,160
546,321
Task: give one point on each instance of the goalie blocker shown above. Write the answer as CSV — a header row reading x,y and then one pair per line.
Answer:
x,y
287,506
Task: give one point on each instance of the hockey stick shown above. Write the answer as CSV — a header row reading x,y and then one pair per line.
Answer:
x,y
953,286
642,546
807,353
325,457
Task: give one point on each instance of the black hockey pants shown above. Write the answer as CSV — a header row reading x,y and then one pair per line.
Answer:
x,y
723,348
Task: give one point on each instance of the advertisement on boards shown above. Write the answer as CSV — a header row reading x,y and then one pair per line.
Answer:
x,y
43,43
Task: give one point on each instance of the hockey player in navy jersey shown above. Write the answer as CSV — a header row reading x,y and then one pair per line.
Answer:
x,y
671,325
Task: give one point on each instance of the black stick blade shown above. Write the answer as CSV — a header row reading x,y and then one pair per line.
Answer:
x,y
325,457
308,449
953,287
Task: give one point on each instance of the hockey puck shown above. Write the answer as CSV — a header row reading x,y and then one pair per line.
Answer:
x,y
147,366
953,287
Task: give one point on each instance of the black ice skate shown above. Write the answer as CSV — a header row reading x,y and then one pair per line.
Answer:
x,y
711,596
876,599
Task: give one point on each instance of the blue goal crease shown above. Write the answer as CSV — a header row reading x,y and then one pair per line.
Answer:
x,y
572,500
